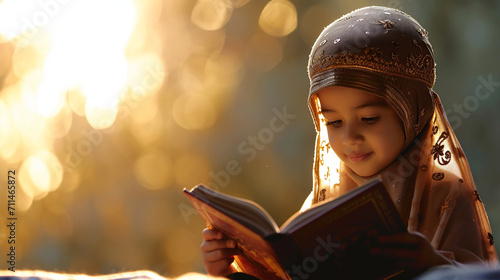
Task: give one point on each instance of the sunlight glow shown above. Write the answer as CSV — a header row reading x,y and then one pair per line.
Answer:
x,y
88,54
145,76
138,71
14,18
61,56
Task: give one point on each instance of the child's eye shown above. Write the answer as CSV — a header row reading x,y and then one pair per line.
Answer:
x,y
335,123
370,120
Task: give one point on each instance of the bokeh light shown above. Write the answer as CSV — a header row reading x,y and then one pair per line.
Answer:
x,y
278,18
40,174
211,14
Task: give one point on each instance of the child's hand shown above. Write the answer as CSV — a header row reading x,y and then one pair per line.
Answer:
x,y
217,252
411,251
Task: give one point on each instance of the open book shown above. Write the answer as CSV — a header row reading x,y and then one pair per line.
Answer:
x,y
332,238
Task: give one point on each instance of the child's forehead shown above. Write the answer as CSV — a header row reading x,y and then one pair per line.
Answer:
x,y
348,97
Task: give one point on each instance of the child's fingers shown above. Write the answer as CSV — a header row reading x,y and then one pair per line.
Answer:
x,y
211,234
217,255
212,245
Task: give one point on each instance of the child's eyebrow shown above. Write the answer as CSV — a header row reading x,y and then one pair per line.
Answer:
x,y
364,105
325,110
372,104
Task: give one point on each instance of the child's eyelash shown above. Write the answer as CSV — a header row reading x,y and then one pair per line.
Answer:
x,y
335,123
371,120
339,123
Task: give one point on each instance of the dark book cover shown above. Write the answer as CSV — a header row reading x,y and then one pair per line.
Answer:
x,y
331,239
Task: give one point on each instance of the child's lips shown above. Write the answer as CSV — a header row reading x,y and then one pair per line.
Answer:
x,y
358,157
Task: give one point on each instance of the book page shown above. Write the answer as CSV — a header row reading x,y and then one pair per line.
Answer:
x,y
257,258
299,219
244,211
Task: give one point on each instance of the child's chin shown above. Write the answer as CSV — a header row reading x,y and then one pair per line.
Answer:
x,y
364,172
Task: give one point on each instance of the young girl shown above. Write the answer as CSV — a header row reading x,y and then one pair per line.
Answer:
x,y
372,72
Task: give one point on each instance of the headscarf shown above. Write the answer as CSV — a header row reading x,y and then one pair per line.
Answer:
x,y
387,53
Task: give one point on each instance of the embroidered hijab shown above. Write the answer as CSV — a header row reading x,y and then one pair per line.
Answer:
x,y
387,53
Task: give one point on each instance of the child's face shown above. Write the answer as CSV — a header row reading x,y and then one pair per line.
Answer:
x,y
364,131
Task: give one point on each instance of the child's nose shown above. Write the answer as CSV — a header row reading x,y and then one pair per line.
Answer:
x,y
352,135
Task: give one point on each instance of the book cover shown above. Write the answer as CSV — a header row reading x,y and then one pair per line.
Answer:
x,y
332,238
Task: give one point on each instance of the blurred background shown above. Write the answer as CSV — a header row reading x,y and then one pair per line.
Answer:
x,y
108,109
